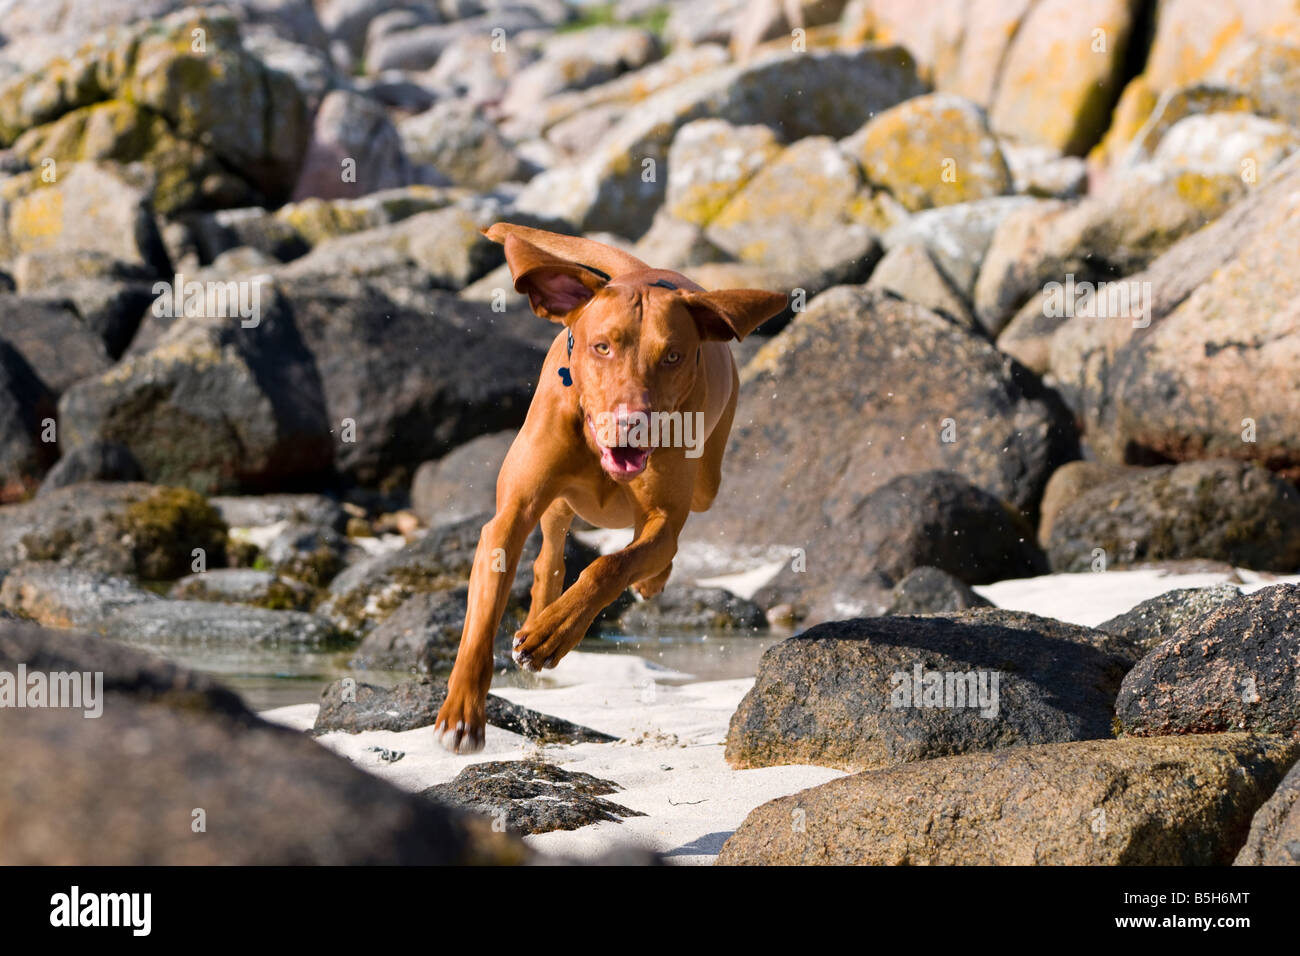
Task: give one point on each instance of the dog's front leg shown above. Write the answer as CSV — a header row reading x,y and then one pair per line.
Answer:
x,y
463,715
561,626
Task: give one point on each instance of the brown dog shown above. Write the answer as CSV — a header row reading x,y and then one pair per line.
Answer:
x,y
639,345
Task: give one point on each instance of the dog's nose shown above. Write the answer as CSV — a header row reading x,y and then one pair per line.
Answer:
x,y
633,423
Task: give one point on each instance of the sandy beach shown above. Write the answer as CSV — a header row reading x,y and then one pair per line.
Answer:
x,y
669,758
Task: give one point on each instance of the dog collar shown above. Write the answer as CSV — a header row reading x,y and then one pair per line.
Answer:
x,y
565,375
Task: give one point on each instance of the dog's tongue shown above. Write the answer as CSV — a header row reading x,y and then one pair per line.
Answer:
x,y
623,461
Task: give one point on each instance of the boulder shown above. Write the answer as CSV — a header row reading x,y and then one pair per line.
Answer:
x,y
1220,510
26,405
170,623
94,209
421,47
354,149
1062,72
876,692
462,482
114,528
933,150
1148,624
957,237
255,511
579,60
1233,144
462,145
1113,233
1221,324
443,247
423,634
355,708
1274,838
219,404
94,461
267,795
110,308
693,609
60,348
1065,486
243,586
910,272
57,595
1232,668
708,162
1184,801
814,437
530,796
928,590
823,92
214,125
401,385
807,209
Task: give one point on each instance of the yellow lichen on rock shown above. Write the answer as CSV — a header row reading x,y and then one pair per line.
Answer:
x,y
931,151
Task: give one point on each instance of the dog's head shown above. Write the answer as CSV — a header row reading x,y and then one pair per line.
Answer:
x,y
637,332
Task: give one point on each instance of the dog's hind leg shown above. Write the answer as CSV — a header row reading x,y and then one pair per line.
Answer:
x,y
548,569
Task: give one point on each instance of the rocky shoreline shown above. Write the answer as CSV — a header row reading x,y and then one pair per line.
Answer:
x,y
259,368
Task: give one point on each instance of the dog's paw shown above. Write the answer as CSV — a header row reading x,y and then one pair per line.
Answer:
x,y
540,646
461,726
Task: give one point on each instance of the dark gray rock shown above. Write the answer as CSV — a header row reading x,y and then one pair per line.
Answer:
x,y
413,704
1221,510
25,402
929,519
171,743
1235,668
1146,625
531,797
693,608
157,623
59,596
928,590
111,308
415,385
1275,832
423,634
256,511
95,461
243,586
815,434
368,591
461,483
127,528
53,339
841,694
214,406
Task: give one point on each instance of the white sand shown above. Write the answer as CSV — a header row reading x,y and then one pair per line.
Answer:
x,y
669,757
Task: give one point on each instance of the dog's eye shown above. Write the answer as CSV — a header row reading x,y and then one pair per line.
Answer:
x,y
672,358
602,348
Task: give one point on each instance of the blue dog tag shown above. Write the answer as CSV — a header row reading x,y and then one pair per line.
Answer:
x,y
565,377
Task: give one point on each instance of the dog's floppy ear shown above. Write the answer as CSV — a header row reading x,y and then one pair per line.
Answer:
x,y
555,287
732,313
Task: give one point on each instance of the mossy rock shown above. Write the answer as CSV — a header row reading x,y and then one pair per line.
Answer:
x,y
168,526
709,162
931,151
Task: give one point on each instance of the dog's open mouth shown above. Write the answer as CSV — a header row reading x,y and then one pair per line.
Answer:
x,y
620,461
